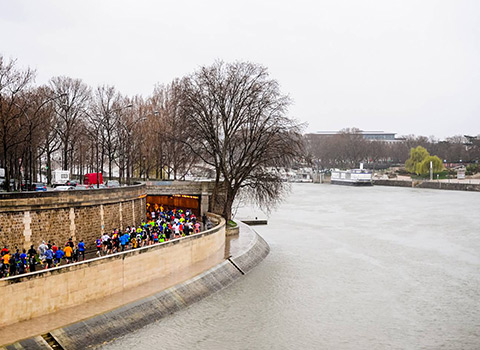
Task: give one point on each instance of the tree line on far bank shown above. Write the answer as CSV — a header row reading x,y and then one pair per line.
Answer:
x,y
348,148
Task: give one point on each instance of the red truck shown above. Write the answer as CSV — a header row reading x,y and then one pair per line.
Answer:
x,y
91,179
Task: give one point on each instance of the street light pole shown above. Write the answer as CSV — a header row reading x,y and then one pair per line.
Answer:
x,y
127,154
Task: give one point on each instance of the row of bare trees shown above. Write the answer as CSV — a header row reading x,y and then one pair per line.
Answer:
x,y
228,117
69,125
348,148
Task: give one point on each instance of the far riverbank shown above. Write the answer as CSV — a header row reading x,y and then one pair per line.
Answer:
x,y
451,185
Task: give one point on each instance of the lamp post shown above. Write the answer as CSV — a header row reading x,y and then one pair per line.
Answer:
x,y
112,137
144,168
127,152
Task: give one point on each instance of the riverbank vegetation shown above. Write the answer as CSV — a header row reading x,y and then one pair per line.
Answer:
x,y
348,148
421,162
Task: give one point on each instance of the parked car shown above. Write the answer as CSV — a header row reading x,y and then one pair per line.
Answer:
x,y
26,185
82,187
93,187
71,183
113,183
12,184
64,188
38,186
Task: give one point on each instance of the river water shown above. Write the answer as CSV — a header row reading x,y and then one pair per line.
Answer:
x,y
349,268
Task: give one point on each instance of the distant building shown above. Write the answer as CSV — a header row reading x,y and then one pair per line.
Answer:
x,y
368,135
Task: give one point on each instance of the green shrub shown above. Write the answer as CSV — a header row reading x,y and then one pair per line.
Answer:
x,y
472,169
423,168
417,155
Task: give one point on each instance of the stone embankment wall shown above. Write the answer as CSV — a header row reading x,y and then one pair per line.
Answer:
x,y
100,329
47,291
28,218
440,185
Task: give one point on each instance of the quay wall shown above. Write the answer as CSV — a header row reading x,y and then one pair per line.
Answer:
x,y
43,292
27,218
440,185
106,327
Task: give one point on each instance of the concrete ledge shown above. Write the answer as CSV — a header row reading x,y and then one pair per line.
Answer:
x,y
116,323
156,188
255,222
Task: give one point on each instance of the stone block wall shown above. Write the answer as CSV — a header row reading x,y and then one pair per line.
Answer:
x,y
11,229
87,224
49,225
396,183
111,217
449,186
438,185
127,213
140,210
80,282
29,218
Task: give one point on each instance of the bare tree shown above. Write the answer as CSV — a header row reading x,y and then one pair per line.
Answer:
x,y
353,146
13,105
346,149
108,107
169,125
130,136
49,142
70,109
473,147
238,126
36,126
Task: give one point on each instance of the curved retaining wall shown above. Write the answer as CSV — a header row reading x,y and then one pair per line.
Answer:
x,y
29,217
39,293
106,327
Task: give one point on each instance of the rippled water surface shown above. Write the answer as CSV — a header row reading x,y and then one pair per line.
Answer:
x,y
349,268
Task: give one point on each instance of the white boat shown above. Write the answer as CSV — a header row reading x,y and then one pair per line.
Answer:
x,y
353,177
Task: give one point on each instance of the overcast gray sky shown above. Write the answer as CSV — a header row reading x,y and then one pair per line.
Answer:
x,y
410,67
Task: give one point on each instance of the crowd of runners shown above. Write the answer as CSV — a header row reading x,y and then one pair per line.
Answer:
x,y
163,225
47,255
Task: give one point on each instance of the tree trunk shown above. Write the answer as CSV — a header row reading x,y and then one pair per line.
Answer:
x,y
7,169
49,168
227,208
65,156
128,171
